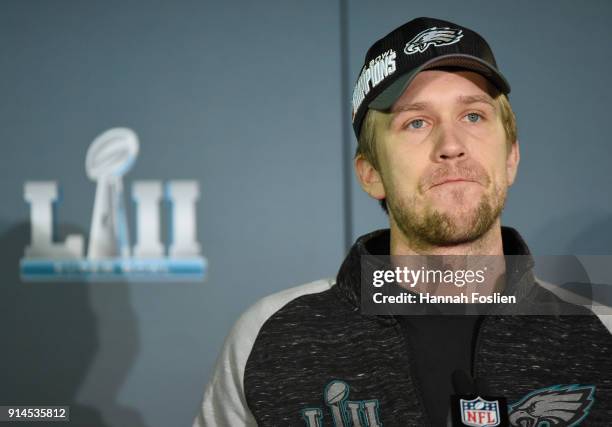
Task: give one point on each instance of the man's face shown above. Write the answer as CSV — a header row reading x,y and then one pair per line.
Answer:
x,y
444,161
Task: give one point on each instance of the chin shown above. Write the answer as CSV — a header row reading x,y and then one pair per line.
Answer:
x,y
465,225
466,235
446,221
461,216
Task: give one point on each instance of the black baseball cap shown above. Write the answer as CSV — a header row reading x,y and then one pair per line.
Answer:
x,y
421,44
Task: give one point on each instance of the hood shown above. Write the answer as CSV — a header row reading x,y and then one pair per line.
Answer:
x,y
520,279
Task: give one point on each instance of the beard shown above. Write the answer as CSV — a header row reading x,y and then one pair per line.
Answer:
x,y
427,227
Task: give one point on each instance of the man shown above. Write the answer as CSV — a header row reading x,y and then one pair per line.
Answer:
x,y
438,149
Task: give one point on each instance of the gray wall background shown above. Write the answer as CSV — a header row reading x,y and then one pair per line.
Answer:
x,y
247,98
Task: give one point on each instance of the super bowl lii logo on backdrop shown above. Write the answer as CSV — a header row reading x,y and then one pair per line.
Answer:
x,y
109,254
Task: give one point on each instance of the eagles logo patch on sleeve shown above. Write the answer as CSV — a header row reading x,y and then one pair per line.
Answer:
x,y
559,406
432,37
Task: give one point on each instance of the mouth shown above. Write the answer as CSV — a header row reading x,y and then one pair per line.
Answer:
x,y
450,181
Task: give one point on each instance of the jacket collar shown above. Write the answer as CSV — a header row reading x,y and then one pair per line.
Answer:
x,y
519,270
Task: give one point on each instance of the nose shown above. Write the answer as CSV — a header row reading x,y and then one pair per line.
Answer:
x,y
449,145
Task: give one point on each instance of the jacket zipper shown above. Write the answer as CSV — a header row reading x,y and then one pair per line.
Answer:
x,y
477,345
415,384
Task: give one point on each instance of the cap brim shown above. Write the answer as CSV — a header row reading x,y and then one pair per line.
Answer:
x,y
387,97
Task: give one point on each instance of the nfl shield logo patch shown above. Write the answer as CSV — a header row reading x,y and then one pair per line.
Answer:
x,y
480,412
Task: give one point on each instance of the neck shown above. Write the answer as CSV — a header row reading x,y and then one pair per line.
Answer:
x,y
490,243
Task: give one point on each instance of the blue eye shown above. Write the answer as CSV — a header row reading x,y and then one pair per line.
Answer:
x,y
473,117
416,124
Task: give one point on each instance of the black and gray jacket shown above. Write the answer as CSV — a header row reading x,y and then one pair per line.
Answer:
x,y
308,357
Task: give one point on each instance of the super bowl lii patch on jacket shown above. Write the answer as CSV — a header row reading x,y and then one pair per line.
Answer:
x,y
558,405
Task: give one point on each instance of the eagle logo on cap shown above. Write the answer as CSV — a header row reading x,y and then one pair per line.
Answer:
x,y
433,37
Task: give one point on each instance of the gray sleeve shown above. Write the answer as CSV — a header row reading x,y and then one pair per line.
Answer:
x,y
224,403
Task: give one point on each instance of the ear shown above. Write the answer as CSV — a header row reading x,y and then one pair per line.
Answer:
x,y
369,178
512,162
